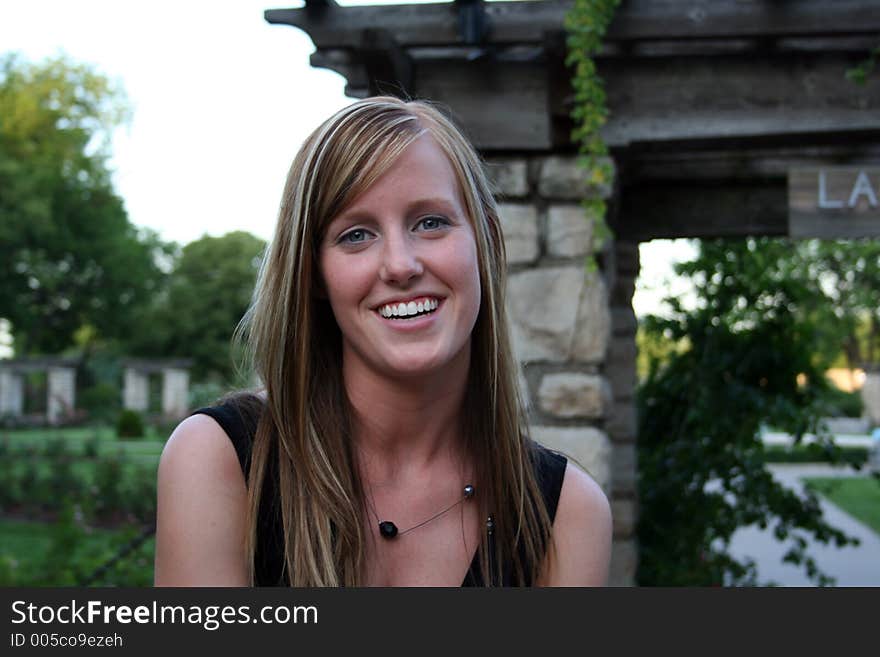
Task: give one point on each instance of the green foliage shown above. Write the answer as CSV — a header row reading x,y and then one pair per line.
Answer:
x,y
209,291
860,72
68,552
840,403
70,255
100,401
813,453
655,348
586,24
69,491
130,424
760,327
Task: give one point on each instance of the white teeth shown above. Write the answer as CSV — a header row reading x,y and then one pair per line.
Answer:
x,y
408,309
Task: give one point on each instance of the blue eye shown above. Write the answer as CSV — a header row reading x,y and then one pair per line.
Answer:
x,y
433,223
356,236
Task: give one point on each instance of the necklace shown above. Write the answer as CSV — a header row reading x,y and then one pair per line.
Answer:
x,y
388,530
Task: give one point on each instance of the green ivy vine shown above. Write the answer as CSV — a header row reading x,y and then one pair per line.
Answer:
x,y
586,24
860,72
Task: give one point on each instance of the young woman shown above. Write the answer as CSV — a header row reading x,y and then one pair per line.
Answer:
x,y
388,446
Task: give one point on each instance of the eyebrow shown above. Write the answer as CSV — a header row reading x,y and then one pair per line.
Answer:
x,y
448,205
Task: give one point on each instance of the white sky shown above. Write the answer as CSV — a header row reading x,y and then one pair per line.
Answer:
x,y
221,102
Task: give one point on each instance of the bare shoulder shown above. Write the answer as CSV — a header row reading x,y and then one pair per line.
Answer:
x,y
581,537
202,500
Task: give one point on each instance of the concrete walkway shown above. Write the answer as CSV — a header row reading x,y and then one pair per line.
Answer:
x,y
851,566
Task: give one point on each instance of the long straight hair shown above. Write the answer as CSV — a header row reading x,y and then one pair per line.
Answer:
x,y
304,434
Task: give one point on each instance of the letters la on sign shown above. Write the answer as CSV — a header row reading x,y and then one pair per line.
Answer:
x,y
834,202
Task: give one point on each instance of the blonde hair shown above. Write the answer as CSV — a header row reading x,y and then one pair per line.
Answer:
x,y
303,436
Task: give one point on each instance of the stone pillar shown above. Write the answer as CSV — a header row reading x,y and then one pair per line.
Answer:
x,y
136,391
622,424
560,321
61,393
11,393
175,392
871,396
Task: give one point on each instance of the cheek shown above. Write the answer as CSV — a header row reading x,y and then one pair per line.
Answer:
x,y
468,276
344,280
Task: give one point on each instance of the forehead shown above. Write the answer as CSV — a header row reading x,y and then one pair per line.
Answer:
x,y
421,171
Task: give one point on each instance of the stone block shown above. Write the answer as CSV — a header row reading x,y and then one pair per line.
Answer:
x,y
61,393
623,469
871,396
560,177
520,225
571,394
175,392
623,290
622,423
558,314
623,321
623,512
627,257
11,393
593,323
136,390
621,367
509,176
587,446
569,231
624,562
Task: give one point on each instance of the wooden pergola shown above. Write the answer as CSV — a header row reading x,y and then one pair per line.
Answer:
x,y
714,107
711,102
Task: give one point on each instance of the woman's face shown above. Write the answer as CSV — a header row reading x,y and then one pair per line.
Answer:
x,y
399,267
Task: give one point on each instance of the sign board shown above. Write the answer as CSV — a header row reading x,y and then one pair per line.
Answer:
x,y
834,202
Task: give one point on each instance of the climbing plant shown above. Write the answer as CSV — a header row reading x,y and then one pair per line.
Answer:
x,y
586,24
860,72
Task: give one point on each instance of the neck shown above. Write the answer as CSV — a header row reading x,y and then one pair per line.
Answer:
x,y
403,426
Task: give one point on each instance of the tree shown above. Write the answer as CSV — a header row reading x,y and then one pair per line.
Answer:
x,y
759,342
209,290
71,257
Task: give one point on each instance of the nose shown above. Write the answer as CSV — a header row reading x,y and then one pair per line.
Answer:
x,y
400,262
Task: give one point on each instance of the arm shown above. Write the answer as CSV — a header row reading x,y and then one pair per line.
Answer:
x,y
580,549
202,502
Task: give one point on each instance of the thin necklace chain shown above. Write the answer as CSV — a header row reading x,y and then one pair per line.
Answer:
x,y
424,522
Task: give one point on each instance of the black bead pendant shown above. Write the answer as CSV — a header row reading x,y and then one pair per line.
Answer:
x,y
468,491
388,529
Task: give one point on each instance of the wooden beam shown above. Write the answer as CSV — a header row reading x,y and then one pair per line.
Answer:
x,y
502,106
425,25
670,211
675,19
680,99
636,20
740,162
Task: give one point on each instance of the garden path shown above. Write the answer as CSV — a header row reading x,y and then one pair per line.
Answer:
x,y
851,566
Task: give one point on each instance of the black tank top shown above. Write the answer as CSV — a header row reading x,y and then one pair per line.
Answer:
x,y
240,424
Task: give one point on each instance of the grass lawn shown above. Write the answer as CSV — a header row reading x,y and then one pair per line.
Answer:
x,y
26,545
858,496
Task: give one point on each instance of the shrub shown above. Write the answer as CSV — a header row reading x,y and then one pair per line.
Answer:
x,y
130,424
843,404
101,402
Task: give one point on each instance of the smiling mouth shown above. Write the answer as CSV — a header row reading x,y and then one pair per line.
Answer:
x,y
409,310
